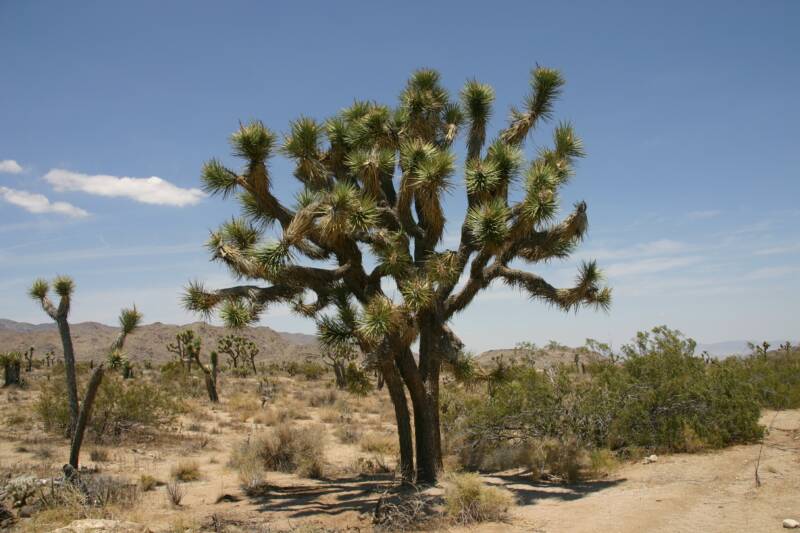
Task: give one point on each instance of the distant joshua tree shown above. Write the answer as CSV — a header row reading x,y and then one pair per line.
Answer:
x,y
238,349
373,179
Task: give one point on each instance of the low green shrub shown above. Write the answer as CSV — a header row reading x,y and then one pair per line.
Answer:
x,y
660,397
120,405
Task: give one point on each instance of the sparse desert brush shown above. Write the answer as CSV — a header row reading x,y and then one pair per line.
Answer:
x,y
175,492
318,398
243,406
98,455
266,417
247,461
285,448
185,470
330,415
347,433
468,499
379,444
148,483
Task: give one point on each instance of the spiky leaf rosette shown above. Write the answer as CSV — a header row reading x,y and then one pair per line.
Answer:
x,y
129,319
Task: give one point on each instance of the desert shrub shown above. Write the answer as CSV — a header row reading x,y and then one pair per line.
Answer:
x,y
120,405
468,499
185,471
181,383
175,492
319,398
249,465
243,406
660,397
286,448
99,455
347,433
774,376
148,483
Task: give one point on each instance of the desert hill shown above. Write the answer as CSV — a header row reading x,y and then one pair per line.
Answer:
x,y
544,357
91,340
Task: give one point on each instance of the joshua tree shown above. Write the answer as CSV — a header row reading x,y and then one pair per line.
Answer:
x,y
759,350
238,349
129,320
182,347
63,286
372,182
12,363
209,372
28,354
49,357
337,359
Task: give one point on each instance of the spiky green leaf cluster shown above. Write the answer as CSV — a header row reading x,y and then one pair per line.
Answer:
x,y
253,142
488,223
129,319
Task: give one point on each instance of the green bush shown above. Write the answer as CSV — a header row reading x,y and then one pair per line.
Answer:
x,y
120,405
661,397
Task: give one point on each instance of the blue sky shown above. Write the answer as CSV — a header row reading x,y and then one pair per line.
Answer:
x,y
688,111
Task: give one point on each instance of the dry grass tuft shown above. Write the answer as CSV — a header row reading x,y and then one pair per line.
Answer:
x,y
468,499
185,471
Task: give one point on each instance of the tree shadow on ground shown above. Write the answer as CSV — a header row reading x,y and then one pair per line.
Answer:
x,y
529,490
331,497
361,493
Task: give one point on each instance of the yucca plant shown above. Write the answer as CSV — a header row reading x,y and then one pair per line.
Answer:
x,y
369,211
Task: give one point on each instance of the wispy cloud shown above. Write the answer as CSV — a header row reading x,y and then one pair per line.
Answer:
x,y
86,254
644,249
152,190
10,166
777,250
38,203
649,266
702,215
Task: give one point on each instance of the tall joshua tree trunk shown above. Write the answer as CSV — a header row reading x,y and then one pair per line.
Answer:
x,y
64,287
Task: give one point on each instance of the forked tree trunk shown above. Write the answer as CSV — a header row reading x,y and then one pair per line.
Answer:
x,y
83,417
69,369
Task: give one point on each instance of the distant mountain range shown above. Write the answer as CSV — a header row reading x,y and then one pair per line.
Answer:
x,y
92,340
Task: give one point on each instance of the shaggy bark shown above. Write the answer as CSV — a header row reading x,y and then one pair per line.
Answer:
x,y
85,414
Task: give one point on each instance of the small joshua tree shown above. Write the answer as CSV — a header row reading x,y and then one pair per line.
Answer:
x,y
29,359
63,286
209,372
182,347
49,357
129,320
238,349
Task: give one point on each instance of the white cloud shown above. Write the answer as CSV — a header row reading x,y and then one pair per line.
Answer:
x,y
10,166
38,203
152,190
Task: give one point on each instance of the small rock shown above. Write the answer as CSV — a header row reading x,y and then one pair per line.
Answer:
x,y
26,511
790,523
650,459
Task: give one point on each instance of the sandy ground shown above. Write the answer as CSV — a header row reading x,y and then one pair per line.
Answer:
x,y
706,492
